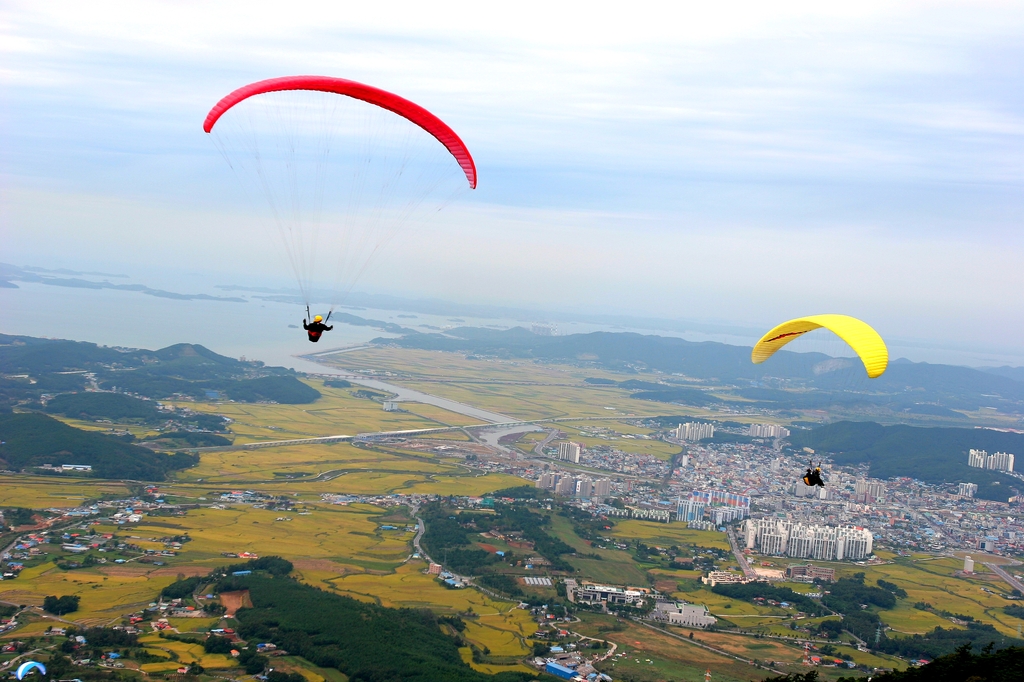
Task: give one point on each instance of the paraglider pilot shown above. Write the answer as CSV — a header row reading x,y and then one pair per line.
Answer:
x,y
812,478
316,328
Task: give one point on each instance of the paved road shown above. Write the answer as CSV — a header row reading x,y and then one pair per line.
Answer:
x,y
1009,579
740,559
539,448
421,528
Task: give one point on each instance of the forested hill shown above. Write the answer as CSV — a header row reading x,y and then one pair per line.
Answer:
x,y
934,455
28,440
366,642
916,388
31,367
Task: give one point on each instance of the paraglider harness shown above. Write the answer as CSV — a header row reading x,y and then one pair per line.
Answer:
x,y
813,477
315,329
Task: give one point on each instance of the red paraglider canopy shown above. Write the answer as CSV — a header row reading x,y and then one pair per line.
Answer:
x,y
381,98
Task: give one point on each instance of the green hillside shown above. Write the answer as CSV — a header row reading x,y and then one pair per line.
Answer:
x,y
104,405
357,638
35,367
934,455
34,439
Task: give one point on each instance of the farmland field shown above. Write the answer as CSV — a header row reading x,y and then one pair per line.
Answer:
x,y
37,492
668,534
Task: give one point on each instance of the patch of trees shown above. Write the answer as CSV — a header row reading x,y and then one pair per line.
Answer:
x,y
520,492
960,665
253,661
892,587
274,565
515,517
278,676
367,394
16,516
446,539
585,525
1015,610
448,533
107,637
501,582
940,641
107,405
850,597
750,591
35,439
337,383
279,389
357,638
181,589
830,628
215,644
62,605
226,582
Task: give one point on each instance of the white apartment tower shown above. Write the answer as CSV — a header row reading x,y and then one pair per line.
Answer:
x,y
768,431
566,486
807,541
967,490
1000,461
694,431
570,452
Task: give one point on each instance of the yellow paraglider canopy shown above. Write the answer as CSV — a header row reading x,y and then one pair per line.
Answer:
x,y
864,340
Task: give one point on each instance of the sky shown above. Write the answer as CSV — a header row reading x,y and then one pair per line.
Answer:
x,y
744,162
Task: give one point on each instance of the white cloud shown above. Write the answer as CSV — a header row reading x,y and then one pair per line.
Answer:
x,y
671,158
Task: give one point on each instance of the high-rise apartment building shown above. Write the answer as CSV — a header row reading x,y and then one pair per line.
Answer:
x,y
807,541
868,491
1000,461
570,452
566,486
694,431
967,490
689,510
548,480
768,431
584,488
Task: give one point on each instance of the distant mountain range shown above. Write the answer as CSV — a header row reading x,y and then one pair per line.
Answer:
x,y
11,273
701,373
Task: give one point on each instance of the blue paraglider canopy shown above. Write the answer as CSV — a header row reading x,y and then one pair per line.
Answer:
x,y
27,667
